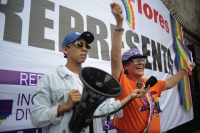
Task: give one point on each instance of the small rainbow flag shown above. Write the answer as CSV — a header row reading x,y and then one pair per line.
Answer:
x,y
129,13
182,59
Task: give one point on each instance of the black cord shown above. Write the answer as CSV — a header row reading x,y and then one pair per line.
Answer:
x,y
113,112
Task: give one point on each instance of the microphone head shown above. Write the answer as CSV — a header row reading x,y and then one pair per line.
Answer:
x,y
151,81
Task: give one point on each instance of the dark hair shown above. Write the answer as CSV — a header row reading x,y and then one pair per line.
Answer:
x,y
125,72
65,56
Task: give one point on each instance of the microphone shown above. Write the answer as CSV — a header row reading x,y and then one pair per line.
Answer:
x,y
151,81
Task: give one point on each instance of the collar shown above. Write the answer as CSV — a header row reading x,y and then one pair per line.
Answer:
x,y
62,72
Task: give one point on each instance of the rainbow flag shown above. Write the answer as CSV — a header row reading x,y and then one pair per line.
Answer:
x,y
181,59
129,13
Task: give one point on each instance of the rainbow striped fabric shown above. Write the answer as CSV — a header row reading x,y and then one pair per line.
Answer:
x,y
150,100
129,13
182,59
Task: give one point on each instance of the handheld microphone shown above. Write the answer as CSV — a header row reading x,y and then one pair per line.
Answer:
x,y
151,81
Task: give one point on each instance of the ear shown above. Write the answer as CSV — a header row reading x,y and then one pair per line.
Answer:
x,y
65,50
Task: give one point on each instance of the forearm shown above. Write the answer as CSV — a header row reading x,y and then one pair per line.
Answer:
x,y
44,115
117,44
62,108
175,79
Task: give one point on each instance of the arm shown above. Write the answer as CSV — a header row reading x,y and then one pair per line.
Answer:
x,y
116,64
173,80
137,93
44,112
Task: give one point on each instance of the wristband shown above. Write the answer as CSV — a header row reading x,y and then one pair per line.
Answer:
x,y
186,69
119,29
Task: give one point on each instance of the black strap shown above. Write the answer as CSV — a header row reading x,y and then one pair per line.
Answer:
x,y
91,127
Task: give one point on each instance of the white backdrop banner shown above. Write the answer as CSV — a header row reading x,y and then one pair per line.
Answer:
x,y
31,33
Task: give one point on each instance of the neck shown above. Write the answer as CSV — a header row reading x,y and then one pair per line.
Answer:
x,y
136,79
75,68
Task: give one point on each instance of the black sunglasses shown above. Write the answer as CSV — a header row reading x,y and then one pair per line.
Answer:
x,y
79,44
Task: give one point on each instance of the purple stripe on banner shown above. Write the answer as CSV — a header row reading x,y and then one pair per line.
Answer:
x,y
32,130
108,125
19,78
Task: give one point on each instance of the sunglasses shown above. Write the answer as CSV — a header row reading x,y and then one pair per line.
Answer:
x,y
79,44
138,60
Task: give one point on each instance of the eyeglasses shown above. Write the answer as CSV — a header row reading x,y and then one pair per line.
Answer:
x,y
138,60
79,44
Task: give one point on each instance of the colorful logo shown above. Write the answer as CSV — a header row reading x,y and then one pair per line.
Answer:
x,y
5,109
129,13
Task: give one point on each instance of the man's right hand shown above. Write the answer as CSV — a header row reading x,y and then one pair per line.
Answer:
x,y
74,97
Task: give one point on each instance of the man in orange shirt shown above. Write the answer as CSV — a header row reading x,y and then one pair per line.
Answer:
x,y
142,114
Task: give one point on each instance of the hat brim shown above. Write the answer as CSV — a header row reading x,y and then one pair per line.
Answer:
x,y
137,56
